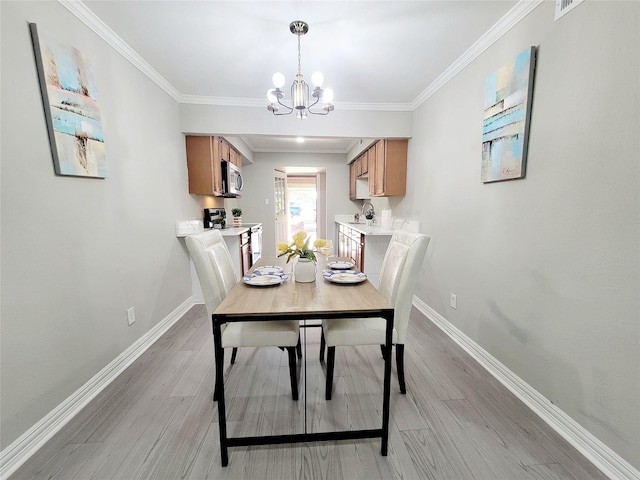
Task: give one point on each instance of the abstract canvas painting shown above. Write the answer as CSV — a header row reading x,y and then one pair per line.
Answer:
x,y
507,113
71,108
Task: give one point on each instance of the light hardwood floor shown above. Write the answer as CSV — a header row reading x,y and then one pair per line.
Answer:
x,y
158,421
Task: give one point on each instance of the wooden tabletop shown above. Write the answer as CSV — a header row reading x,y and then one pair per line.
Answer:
x,y
293,299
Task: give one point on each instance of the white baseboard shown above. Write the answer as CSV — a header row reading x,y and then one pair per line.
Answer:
x,y
12,457
605,459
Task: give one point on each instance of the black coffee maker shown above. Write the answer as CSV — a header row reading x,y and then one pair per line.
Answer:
x,y
215,218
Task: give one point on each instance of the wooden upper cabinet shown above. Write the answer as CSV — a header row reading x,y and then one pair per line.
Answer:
x,y
225,151
364,163
388,168
235,158
385,165
229,153
352,181
203,164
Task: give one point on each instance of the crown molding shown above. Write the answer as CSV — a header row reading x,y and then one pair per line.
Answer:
x,y
80,10
509,20
260,103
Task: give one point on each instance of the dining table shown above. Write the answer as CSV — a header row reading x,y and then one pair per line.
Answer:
x,y
322,299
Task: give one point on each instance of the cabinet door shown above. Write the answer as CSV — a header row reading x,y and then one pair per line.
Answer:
x,y
364,164
217,168
358,250
342,242
377,169
225,151
372,169
351,245
395,168
352,180
235,157
203,165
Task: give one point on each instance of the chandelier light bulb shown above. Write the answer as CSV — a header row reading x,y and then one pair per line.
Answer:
x,y
278,80
327,97
270,96
317,79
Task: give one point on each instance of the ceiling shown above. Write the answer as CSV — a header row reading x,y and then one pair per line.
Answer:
x,y
375,55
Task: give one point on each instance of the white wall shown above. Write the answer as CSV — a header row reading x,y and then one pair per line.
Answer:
x,y
546,269
233,121
259,183
77,252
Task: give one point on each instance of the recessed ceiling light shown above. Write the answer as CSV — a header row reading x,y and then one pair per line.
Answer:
x,y
300,139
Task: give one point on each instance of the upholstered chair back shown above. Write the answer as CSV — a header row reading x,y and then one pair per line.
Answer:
x,y
400,273
213,264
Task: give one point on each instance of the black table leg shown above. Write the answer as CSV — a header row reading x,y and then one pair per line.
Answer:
x,y
226,442
222,422
387,384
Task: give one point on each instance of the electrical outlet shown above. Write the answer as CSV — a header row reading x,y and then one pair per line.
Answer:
x,y
454,301
131,315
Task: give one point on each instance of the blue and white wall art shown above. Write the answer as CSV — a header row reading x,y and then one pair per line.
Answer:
x,y
71,109
507,113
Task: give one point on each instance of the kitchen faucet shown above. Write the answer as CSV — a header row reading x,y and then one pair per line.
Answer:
x,y
369,212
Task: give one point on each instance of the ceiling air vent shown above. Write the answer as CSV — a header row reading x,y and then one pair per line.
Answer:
x,y
565,6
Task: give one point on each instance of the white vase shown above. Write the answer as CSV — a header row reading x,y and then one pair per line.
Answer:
x,y
237,221
304,270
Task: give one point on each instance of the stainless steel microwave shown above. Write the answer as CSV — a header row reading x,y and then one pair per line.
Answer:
x,y
231,180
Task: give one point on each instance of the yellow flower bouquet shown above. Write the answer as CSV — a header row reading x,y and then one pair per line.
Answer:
x,y
300,246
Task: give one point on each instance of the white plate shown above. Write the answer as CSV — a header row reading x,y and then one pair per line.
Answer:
x,y
268,270
345,276
263,280
341,265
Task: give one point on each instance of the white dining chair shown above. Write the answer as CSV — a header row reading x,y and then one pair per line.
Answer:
x,y
217,277
398,276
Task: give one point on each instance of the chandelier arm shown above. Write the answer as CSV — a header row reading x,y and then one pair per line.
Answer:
x,y
275,112
323,112
285,106
314,103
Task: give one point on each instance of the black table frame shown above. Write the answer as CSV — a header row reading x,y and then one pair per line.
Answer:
x,y
226,442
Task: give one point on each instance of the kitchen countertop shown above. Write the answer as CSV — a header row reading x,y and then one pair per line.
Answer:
x,y
367,229
197,227
231,231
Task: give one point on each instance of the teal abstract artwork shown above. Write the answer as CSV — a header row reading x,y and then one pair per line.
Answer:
x,y
507,114
71,108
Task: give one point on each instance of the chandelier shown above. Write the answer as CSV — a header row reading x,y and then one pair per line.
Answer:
x,y
303,100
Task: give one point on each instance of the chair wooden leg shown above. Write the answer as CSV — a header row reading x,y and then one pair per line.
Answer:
x,y
292,372
400,367
322,345
233,355
215,390
331,357
299,348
